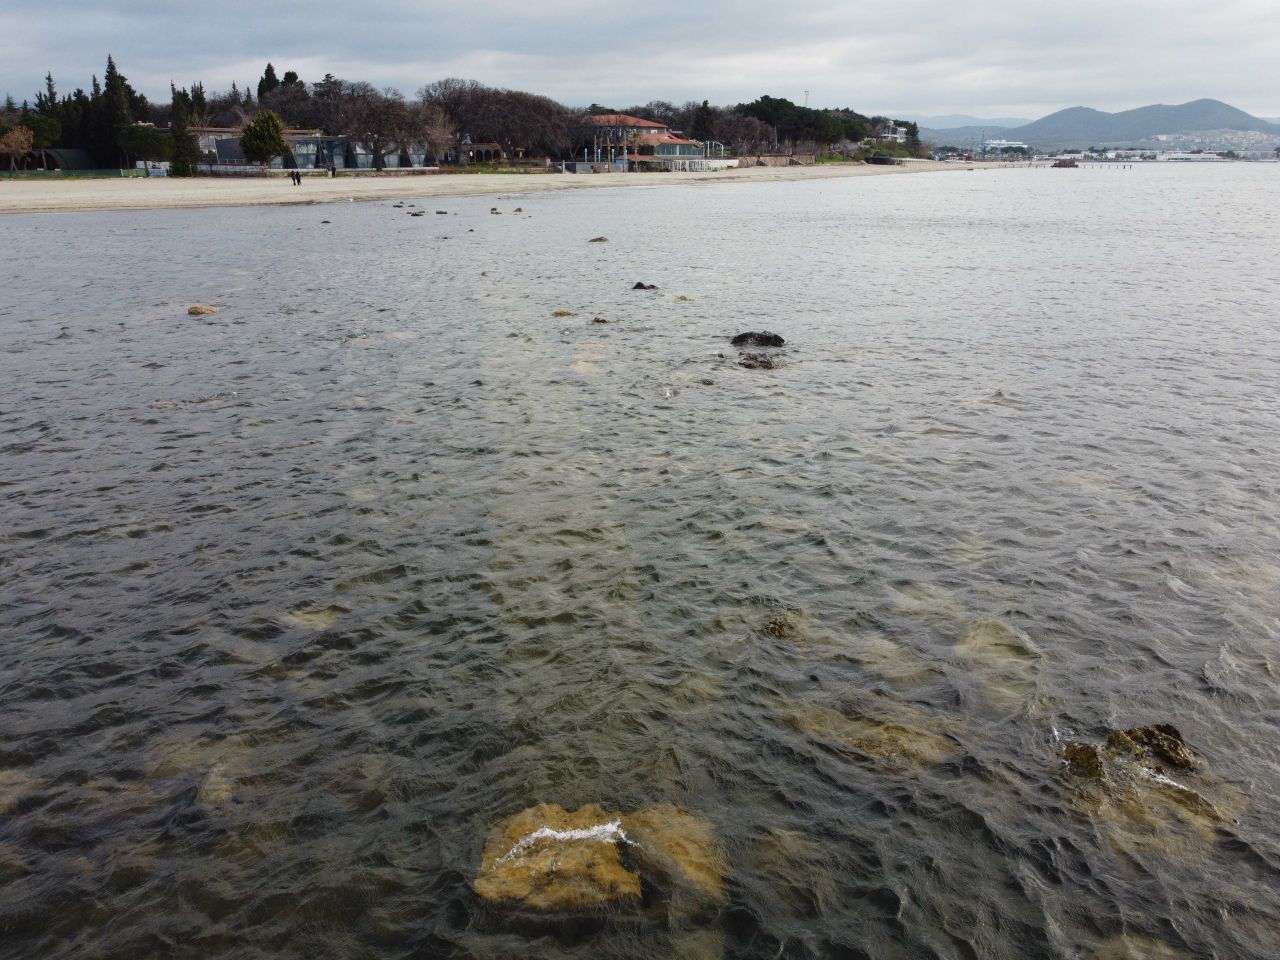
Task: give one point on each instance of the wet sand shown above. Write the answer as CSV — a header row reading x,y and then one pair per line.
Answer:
x,y
69,196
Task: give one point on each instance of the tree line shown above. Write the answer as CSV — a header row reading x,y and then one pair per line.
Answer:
x,y
116,125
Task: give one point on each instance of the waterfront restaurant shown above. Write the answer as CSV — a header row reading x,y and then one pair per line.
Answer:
x,y
635,143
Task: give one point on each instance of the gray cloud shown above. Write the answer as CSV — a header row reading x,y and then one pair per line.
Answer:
x,y
918,56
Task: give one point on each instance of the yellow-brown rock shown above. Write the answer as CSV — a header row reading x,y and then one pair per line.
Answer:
x,y
200,309
549,859
678,849
909,739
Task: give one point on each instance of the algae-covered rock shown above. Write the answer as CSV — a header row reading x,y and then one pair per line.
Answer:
x,y
1159,742
904,739
1129,947
549,859
1004,660
783,626
759,361
1124,789
1084,760
200,309
677,851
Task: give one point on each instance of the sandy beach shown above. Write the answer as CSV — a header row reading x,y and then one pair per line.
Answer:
x,y
73,196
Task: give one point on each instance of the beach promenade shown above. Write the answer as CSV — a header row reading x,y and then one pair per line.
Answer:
x,y
71,195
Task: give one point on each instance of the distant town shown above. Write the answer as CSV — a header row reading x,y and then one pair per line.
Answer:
x,y
332,126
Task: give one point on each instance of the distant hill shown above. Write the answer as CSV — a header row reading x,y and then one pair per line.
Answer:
x,y
966,137
952,121
1082,126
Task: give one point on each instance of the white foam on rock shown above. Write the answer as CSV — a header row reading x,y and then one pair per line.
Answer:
x,y
611,832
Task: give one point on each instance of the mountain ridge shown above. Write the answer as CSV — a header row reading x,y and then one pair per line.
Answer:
x,y
1086,126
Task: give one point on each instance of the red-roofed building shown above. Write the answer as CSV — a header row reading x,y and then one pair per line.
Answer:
x,y
625,142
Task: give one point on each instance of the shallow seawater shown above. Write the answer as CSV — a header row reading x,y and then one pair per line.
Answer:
x,y
300,599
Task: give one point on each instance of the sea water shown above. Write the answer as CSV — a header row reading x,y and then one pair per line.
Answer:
x,y
299,599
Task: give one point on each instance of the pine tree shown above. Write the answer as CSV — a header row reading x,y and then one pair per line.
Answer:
x,y
186,151
114,115
199,105
268,82
47,102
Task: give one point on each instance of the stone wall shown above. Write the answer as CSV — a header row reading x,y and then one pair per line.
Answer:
x,y
773,160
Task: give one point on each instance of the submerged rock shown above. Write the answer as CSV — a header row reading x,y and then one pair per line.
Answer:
x,y
1124,788
903,740
551,861
1084,760
1004,661
562,313
599,320
678,853
1130,947
598,240
1159,742
315,618
759,361
14,786
641,285
761,339
548,859
200,309
783,626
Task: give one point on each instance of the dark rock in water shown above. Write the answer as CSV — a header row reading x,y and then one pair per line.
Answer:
x,y
782,626
442,212
759,361
1159,742
417,213
1084,760
641,285
598,240
762,339
326,221
599,320
707,382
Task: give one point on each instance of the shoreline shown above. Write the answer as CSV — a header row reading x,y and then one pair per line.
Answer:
x,y
164,193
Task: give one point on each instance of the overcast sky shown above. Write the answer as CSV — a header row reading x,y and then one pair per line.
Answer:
x,y
985,57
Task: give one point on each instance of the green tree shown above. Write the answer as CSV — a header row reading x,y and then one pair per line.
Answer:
x,y
268,82
45,131
704,117
186,151
142,141
47,102
262,138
